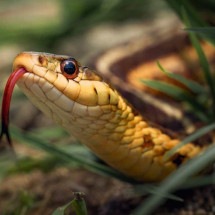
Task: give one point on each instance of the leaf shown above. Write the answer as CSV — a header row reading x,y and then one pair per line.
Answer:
x,y
191,85
195,19
206,32
200,132
179,94
152,189
202,180
83,161
61,210
78,204
202,58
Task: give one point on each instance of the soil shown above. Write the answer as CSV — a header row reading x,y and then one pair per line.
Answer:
x,y
103,195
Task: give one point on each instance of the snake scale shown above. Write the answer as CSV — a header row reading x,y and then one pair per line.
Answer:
x,y
78,99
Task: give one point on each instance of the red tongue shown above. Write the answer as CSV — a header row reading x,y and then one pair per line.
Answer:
x,y
14,77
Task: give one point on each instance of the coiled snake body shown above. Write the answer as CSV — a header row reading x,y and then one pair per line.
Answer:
x,y
96,114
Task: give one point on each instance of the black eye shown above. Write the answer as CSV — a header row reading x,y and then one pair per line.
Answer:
x,y
69,68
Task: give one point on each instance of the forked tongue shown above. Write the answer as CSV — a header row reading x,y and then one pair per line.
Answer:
x,y
12,80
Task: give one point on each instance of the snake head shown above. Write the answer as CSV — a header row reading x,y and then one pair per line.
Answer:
x,y
58,85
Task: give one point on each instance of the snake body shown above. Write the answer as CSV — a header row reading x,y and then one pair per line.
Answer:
x,y
96,114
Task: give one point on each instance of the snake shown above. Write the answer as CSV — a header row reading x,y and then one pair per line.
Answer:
x,y
95,113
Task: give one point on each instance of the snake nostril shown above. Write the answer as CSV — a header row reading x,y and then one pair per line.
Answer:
x,y
42,60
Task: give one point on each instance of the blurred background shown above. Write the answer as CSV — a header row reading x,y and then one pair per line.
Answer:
x,y
82,29
75,27
78,28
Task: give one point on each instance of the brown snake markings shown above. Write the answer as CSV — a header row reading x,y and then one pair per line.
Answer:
x,y
96,114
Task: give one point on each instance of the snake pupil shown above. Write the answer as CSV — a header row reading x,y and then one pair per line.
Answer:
x,y
69,68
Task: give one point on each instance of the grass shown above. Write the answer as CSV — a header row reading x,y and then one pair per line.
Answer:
x,y
77,205
21,204
78,156
82,159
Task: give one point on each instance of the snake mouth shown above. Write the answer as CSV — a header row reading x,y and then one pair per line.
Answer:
x,y
12,80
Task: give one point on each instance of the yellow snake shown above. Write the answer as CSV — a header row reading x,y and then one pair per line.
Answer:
x,y
95,113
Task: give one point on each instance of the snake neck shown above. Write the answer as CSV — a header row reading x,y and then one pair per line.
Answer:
x,y
116,134
122,138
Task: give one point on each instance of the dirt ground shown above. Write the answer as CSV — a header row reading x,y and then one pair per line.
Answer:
x,y
104,196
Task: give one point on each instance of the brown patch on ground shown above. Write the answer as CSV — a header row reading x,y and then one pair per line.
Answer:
x,y
104,195
55,189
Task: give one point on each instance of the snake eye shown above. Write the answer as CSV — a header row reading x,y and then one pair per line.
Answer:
x,y
69,68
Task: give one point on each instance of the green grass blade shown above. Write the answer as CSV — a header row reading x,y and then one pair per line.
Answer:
x,y
199,181
28,164
82,161
169,89
176,5
202,58
152,189
11,166
200,132
190,84
195,19
78,204
179,94
175,180
61,210
7,161
206,32
51,132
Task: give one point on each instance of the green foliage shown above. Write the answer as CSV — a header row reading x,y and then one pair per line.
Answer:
x,y
21,204
70,156
77,205
206,32
198,108
199,100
